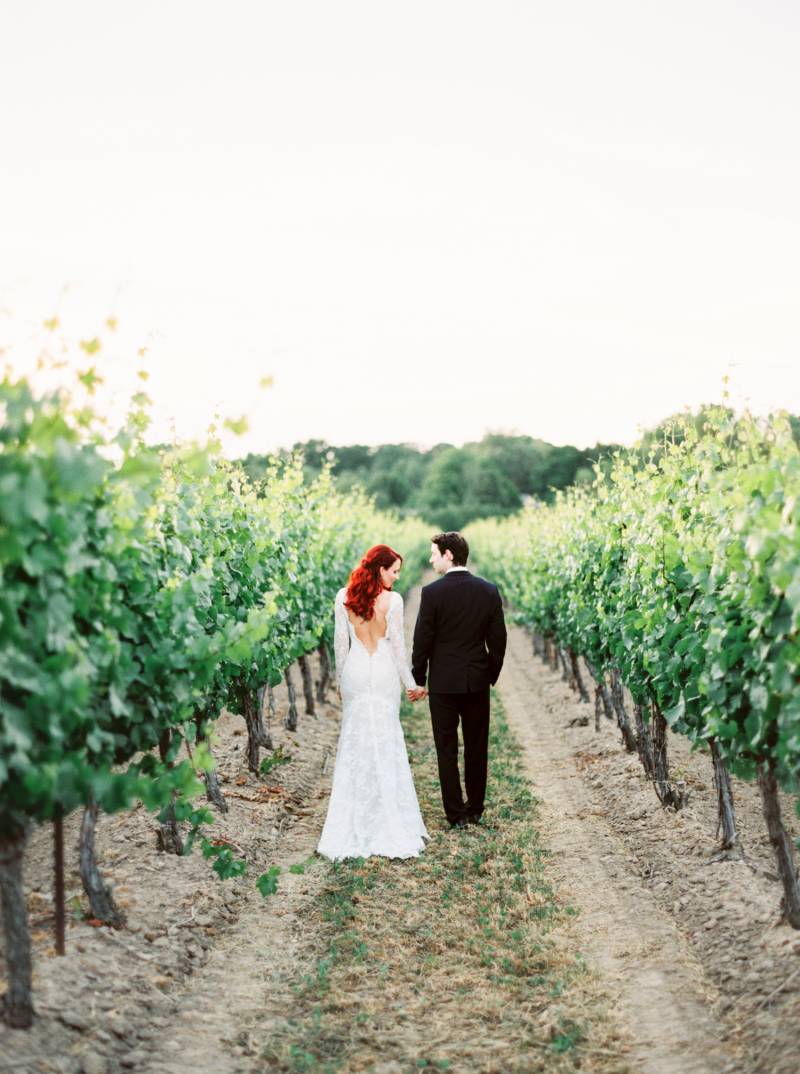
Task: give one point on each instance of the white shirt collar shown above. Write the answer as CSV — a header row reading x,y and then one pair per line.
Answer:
x,y
451,569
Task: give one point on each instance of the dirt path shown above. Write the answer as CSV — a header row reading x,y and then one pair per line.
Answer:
x,y
705,975
223,1014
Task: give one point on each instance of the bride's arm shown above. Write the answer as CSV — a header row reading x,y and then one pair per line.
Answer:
x,y
341,636
397,642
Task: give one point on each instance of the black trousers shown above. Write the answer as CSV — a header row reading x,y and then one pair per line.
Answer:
x,y
473,711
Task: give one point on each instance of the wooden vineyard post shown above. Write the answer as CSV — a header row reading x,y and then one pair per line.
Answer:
x,y
17,1002
324,673
58,867
290,722
598,707
308,685
781,843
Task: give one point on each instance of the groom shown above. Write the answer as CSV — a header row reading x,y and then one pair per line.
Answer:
x,y
459,642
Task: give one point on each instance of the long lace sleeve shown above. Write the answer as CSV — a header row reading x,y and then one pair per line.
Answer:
x,y
397,642
341,636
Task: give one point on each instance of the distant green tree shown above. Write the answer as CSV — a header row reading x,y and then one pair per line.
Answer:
x,y
462,484
391,488
255,466
489,490
448,485
397,473
558,470
519,457
444,484
357,458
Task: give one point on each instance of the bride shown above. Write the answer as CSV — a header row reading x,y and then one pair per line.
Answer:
x,y
373,807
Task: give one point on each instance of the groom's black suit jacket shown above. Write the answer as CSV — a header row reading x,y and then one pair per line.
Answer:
x,y
460,635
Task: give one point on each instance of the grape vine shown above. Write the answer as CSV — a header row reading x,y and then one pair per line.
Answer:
x,y
677,575
142,591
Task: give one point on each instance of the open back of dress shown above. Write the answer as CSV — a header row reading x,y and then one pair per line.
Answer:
x,y
373,807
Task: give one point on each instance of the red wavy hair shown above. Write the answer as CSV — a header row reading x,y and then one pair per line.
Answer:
x,y
365,585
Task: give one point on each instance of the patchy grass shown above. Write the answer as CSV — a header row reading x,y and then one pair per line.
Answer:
x,y
448,961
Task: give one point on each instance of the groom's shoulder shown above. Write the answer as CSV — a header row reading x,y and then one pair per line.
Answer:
x,y
433,587
484,584
433,590
473,581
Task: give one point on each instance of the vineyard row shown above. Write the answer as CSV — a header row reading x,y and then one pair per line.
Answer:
x,y
143,591
677,576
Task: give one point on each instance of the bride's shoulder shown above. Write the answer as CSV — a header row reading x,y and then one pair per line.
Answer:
x,y
341,595
388,601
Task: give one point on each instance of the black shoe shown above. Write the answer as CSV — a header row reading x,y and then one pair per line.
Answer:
x,y
473,818
460,823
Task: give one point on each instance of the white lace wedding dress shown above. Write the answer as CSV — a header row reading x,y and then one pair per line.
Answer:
x,y
373,807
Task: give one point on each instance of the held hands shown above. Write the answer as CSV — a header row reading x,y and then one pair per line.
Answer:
x,y
416,693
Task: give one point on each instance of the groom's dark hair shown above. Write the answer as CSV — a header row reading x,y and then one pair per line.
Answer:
x,y
455,543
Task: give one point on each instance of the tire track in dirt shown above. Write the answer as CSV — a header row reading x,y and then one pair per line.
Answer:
x,y
662,992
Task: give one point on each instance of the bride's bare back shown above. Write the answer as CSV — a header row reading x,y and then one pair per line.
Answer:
x,y
370,631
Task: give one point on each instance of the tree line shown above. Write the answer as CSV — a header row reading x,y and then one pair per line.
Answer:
x,y
450,485
491,478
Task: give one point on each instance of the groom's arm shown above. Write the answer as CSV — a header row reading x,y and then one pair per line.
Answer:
x,y
496,638
423,641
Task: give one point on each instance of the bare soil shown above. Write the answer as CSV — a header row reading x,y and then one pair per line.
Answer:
x,y
687,960
705,972
167,992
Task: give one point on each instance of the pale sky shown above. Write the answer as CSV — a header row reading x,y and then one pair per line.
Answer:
x,y
425,220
